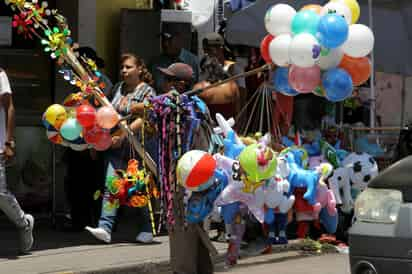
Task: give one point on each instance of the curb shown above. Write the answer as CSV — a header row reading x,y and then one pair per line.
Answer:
x,y
147,267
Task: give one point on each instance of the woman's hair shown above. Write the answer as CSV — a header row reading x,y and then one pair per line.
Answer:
x,y
145,75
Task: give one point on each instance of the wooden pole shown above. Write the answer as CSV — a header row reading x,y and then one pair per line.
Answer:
x,y
98,94
235,77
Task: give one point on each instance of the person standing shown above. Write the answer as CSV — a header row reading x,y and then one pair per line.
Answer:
x,y
173,51
8,203
85,169
128,96
189,247
216,67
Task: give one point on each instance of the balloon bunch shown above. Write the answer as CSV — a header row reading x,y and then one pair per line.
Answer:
x,y
78,125
318,49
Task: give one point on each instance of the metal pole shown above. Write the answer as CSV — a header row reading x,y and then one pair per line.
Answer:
x,y
372,79
53,186
241,75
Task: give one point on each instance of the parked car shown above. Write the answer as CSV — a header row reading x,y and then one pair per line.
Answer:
x,y
380,239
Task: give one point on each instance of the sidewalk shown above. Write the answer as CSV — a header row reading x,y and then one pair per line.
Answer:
x,y
79,253
75,253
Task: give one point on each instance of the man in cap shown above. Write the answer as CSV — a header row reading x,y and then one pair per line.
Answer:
x,y
190,247
178,76
215,67
173,51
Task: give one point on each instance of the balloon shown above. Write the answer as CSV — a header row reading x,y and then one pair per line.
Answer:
x,y
107,117
330,58
93,134
281,82
304,80
80,147
195,170
319,91
71,129
278,19
358,68
279,49
104,141
353,6
258,162
264,48
339,9
360,41
46,124
305,21
338,84
55,115
54,137
304,50
312,7
332,31
86,115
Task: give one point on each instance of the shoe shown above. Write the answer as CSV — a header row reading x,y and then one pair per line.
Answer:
x,y
100,234
144,237
281,241
267,250
26,234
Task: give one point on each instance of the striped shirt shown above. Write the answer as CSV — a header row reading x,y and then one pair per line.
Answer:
x,y
122,101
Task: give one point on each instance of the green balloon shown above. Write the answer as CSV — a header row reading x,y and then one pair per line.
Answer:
x,y
329,152
248,160
71,129
305,21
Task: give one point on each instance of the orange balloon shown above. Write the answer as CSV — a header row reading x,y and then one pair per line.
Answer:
x,y
312,7
358,68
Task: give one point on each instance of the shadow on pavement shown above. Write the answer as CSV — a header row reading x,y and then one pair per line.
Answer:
x,y
49,237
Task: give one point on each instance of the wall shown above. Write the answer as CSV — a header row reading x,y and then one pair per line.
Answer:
x,y
108,29
87,23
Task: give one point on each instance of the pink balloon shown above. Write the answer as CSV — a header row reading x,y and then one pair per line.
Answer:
x,y
107,117
304,80
104,142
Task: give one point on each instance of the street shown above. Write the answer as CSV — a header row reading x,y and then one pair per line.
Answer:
x,y
291,263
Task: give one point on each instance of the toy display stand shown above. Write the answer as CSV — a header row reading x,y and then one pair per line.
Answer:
x,y
386,138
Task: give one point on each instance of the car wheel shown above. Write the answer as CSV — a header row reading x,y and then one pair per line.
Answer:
x,y
365,268
367,271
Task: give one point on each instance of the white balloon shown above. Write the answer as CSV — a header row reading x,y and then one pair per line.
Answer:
x,y
331,60
338,8
279,49
304,50
360,41
278,19
79,147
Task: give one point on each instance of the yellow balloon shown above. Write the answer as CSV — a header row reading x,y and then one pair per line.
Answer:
x,y
55,115
353,5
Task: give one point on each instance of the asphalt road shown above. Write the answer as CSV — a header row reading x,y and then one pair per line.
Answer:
x,y
291,263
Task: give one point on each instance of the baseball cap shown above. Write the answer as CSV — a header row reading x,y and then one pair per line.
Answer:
x,y
179,70
213,39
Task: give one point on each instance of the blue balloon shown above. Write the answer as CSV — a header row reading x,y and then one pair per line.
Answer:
x,y
281,82
337,84
333,30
